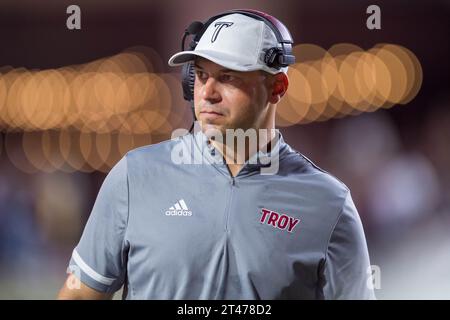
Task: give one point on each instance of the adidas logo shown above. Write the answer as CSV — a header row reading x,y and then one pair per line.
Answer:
x,y
179,209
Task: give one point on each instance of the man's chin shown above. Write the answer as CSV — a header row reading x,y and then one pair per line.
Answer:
x,y
210,129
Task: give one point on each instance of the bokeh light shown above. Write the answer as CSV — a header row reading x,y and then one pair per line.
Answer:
x,y
85,117
346,80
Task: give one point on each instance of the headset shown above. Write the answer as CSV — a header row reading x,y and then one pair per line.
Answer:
x,y
274,57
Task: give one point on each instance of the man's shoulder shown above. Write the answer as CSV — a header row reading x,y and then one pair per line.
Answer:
x,y
313,188
154,156
157,150
305,171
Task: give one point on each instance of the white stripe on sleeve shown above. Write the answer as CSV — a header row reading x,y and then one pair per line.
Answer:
x,y
89,271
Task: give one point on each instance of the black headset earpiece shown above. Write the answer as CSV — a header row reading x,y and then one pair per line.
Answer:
x,y
187,70
187,80
272,57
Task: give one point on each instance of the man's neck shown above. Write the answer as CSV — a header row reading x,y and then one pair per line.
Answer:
x,y
236,153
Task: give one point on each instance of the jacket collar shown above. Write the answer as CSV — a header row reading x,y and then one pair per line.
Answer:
x,y
263,158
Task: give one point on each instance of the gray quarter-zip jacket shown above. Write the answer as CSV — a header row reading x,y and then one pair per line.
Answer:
x,y
167,229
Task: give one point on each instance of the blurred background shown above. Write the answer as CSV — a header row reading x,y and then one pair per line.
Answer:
x,y
371,106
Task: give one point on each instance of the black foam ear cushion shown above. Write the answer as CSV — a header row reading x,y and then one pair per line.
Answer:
x,y
271,58
187,81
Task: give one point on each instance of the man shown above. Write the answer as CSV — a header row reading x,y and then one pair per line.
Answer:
x,y
168,226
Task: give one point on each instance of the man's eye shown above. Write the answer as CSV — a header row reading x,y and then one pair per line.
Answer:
x,y
227,78
201,75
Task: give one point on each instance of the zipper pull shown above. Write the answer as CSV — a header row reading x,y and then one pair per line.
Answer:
x,y
232,181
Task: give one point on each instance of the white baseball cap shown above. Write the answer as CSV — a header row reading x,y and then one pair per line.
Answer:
x,y
237,42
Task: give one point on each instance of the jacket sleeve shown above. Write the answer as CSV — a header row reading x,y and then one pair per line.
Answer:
x,y
346,272
99,259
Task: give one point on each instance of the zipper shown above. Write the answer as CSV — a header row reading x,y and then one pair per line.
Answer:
x,y
230,198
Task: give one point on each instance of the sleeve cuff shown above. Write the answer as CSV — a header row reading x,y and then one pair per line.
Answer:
x,y
90,277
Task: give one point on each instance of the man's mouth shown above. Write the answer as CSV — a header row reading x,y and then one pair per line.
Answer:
x,y
206,111
210,114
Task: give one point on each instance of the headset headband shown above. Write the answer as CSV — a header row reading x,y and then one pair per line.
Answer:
x,y
281,32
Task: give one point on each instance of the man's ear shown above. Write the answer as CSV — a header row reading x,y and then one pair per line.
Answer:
x,y
278,87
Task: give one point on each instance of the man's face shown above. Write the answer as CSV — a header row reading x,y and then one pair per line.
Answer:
x,y
226,99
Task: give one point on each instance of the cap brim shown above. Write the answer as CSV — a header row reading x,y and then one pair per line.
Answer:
x,y
219,58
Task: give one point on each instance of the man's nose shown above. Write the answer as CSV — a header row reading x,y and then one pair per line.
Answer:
x,y
210,91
